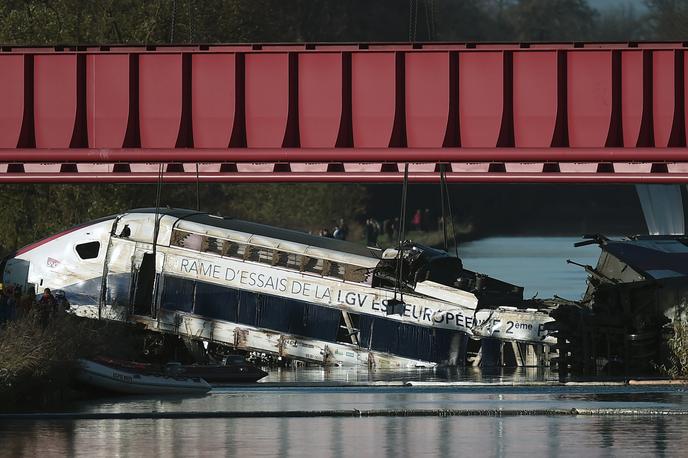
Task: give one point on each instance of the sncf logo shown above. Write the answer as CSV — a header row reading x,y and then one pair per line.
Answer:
x,y
52,263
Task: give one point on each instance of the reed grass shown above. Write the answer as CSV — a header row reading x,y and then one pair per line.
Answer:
x,y
38,359
677,345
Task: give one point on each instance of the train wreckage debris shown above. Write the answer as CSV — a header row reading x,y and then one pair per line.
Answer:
x,y
259,288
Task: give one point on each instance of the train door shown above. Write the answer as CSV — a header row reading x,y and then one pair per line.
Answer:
x,y
145,275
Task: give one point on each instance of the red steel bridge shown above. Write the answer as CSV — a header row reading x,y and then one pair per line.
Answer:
x,y
568,112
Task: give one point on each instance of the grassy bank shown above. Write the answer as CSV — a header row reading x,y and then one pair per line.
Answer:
x,y
434,238
38,360
677,345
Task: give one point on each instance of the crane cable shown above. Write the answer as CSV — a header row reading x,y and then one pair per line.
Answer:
x,y
156,227
432,6
158,193
173,20
402,235
428,6
413,20
444,216
190,4
445,186
198,184
198,190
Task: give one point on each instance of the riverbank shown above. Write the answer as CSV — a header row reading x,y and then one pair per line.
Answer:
x,y
38,359
434,238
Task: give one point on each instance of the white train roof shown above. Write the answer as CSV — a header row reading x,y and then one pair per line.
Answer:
x,y
266,236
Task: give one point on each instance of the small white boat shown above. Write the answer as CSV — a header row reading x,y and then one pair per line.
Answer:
x,y
130,381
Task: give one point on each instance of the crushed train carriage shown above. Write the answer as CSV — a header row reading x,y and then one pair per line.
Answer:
x,y
260,288
635,295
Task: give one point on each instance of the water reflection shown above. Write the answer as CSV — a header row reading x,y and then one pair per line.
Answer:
x,y
343,437
489,397
440,374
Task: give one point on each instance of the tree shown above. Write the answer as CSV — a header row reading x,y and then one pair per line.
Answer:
x,y
623,23
552,20
669,19
45,22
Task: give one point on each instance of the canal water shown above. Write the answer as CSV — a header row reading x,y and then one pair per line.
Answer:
x,y
486,435
352,437
537,264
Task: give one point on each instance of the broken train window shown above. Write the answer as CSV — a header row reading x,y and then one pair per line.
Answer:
x,y
88,250
334,269
259,254
186,240
314,265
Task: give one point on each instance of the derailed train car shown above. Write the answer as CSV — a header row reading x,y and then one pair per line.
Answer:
x,y
636,293
260,288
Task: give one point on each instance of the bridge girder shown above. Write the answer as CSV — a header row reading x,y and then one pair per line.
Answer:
x,y
562,112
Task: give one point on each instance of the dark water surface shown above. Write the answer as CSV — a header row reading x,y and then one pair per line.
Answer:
x,y
536,263
355,437
511,398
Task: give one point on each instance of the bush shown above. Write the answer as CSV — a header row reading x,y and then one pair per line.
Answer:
x,y
37,360
677,361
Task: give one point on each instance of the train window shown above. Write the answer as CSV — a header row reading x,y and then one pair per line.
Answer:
x,y
288,260
187,240
252,253
177,293
266,256
334,269
216,302
280,258
178,237
259,254
233,249
294,261
88,250
356,274
212,245
314,265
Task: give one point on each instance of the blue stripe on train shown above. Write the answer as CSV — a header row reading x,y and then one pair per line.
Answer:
x,y
276,313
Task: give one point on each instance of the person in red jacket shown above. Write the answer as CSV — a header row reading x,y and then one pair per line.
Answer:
x,y
417,220
47,306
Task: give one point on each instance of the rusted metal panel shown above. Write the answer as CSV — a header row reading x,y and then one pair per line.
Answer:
x,y
279,344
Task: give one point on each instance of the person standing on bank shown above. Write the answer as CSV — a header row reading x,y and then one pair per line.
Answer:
x,y
47,306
